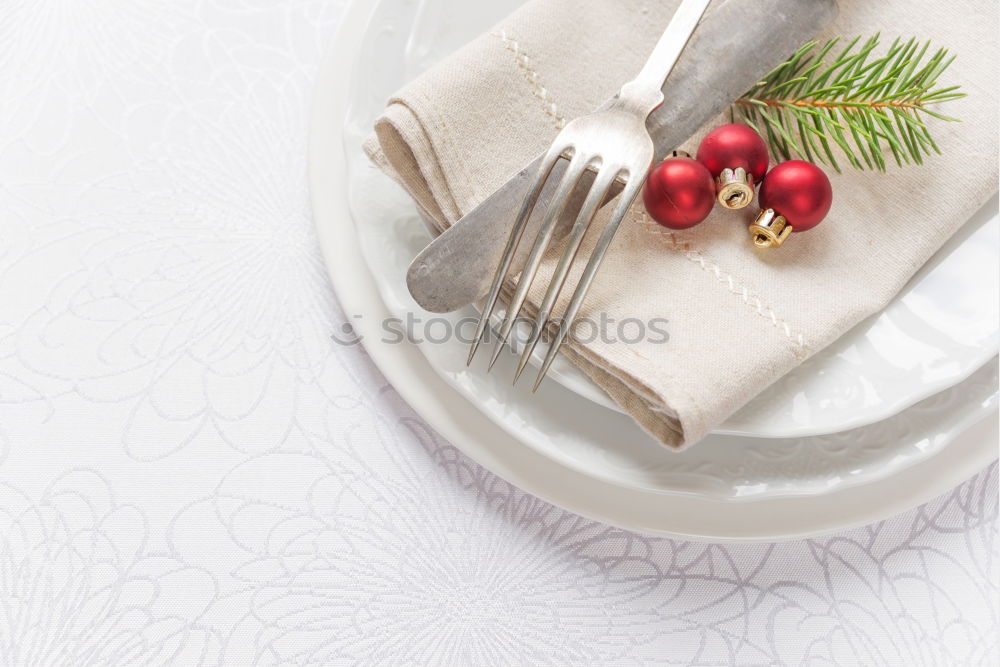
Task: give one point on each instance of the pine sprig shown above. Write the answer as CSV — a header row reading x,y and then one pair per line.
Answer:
x,y
815,105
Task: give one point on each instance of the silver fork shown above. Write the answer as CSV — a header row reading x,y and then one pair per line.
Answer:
x,y
613,142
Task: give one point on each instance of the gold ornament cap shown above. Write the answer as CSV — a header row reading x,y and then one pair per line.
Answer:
x,y
769,230
734,188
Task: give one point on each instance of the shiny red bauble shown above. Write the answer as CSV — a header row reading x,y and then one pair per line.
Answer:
x,y
679,193
737,158
732,146
799,191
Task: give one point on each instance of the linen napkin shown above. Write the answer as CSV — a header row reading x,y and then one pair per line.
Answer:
x,y
738,317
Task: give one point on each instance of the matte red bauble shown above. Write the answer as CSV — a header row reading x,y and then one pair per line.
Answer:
x,y
737,158
679,193
795,196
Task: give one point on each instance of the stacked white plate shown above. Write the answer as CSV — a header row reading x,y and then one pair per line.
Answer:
x,y
897,411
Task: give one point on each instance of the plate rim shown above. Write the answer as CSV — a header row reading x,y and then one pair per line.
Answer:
x,y
677,516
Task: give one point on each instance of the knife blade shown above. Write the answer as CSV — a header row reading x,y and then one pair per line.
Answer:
x,y
736,43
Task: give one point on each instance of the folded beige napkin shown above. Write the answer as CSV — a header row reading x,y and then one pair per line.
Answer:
x,y
739,318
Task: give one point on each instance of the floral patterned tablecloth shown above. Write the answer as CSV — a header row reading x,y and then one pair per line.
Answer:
x,y
192,474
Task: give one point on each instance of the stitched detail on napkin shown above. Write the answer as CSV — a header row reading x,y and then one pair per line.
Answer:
x,y
533,77
799,346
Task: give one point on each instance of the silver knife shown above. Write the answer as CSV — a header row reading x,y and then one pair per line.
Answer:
x,y
736,43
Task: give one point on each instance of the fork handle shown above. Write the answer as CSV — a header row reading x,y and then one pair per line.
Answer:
x,y
647,86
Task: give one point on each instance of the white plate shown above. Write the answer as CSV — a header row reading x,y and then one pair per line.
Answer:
x,y
940,329
792,511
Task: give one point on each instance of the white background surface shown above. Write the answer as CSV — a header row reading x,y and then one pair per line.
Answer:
x,y
191,473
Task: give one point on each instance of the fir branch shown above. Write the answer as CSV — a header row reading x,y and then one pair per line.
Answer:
x,y
816,105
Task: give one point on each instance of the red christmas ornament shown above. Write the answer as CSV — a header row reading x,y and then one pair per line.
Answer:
x,y
795,196
737,158
679,193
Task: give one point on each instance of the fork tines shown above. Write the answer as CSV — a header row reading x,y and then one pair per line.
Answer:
x,y
606,176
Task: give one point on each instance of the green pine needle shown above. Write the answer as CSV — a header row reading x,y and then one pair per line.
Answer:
x,y
868,109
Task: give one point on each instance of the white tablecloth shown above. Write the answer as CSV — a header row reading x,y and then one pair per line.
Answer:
x,y
193,474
